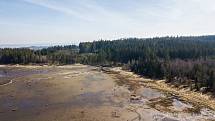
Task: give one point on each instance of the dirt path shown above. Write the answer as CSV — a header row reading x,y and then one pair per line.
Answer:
x,y
86,93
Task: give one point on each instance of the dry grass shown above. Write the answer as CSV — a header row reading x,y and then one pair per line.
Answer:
x,y
196,98
193,97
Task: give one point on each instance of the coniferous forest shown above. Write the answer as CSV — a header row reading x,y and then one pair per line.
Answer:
x,y
182,61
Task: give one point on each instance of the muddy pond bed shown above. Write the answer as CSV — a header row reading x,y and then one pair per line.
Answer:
x,y
87,93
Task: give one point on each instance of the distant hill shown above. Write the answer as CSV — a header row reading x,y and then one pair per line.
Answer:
x,y
34,47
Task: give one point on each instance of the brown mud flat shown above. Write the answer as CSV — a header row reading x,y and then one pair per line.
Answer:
x,y
4,81
86,93
175,101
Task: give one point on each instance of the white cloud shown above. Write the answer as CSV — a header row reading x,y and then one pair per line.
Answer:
x,y
62,9
124,18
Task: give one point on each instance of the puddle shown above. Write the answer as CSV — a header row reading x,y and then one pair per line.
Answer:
x,y
208,113
3,73
20,105
148,93
20,72
162,102
28,104
6,103
159,117
89,79
91,99
40,79
180,106
8,74
96,77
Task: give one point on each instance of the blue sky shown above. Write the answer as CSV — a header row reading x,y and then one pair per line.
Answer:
x,y
72,21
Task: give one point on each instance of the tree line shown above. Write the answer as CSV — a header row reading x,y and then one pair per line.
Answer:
x,y
50,55
183,61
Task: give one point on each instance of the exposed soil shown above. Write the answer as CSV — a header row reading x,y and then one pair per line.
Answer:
x,y
166,98
86,93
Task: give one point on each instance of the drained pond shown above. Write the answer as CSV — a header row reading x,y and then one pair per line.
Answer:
x,y
85,93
